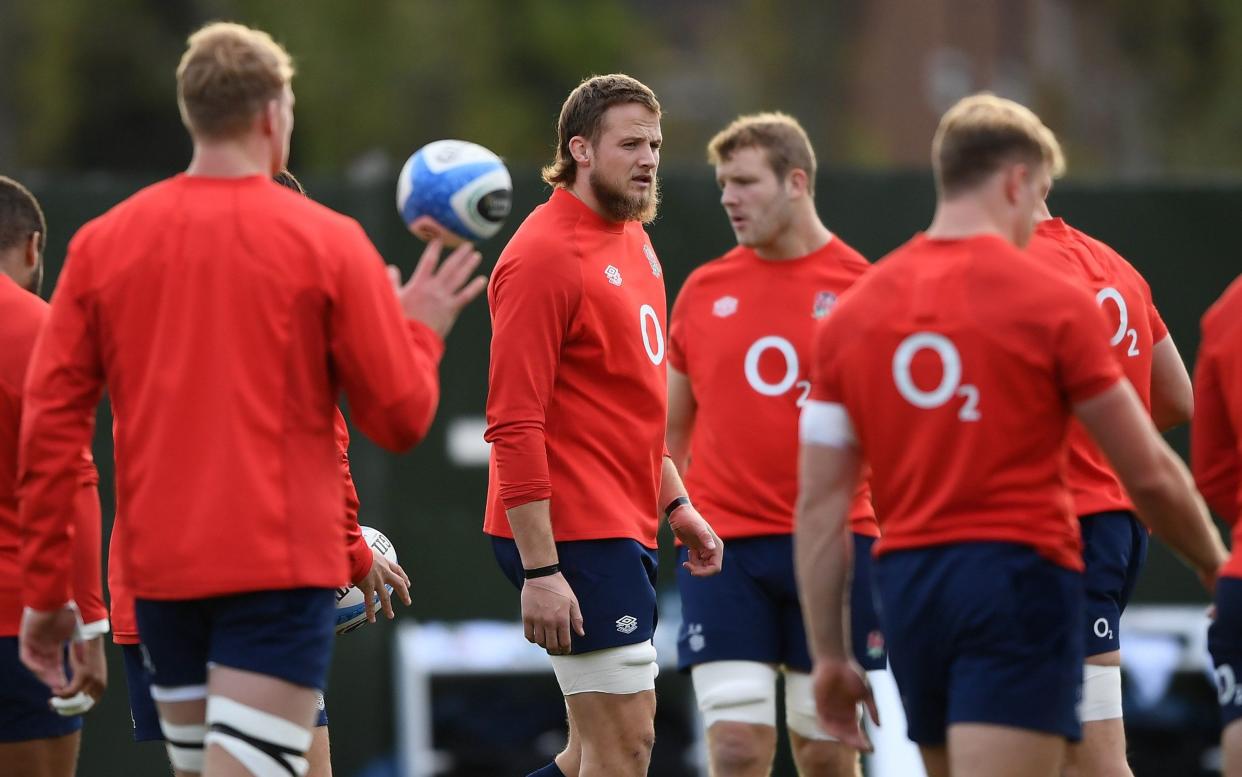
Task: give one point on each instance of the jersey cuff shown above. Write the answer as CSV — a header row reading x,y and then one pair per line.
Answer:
x,y
826,424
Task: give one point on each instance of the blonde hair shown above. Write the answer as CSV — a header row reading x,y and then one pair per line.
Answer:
x,y
226,76
779,135
982,133
583,114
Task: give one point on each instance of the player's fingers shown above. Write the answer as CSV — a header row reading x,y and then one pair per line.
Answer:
x,y
562,635
457,268
873,711
394,276
428,261
368,596
528,629
400,585
472,290
386,601
575,618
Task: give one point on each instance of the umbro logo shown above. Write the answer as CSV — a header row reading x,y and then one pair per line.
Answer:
x,y
613,275
627,624
724,307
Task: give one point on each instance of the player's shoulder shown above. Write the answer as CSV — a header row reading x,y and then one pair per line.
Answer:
x,y
725,267
542,249
23,312
849,258
1225,314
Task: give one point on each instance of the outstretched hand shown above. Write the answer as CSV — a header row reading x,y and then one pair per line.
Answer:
x,y
437,291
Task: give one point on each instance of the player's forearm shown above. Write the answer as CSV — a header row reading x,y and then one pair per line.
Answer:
x,y
532,531
823,561
671,486
1177,514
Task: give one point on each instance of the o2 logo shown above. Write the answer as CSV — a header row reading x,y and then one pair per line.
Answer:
x,y
950,380
1227,686
1124,330
789,380
654,352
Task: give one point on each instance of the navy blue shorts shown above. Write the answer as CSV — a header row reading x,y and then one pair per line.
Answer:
x,y
1114,548
983,632
1225,645
142,712
287,634
24,711
614,581
751,611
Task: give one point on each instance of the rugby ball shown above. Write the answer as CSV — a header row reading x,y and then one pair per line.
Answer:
x,y
461,186
351,610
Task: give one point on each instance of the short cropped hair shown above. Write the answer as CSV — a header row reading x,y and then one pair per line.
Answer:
x,y
982,133
778,135
226,76
289,181
583,114
20,215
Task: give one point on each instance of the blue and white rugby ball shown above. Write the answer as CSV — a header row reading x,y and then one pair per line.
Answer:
x,y
351,610
462,186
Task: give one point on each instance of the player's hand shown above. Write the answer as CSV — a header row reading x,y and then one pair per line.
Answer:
x,y
549,611
839,687
437,291
41,643
427,229
384,573
89,678
705,549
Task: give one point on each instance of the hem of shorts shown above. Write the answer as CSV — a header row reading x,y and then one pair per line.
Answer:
x,y
234,589
61,732
648,543
685,668
1086,515
1050,730
300,681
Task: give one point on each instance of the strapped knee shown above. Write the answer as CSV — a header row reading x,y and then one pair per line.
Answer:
x,y
266,744
184,742
738,691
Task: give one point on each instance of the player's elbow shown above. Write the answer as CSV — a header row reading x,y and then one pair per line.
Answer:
x,y
404,425
1173,410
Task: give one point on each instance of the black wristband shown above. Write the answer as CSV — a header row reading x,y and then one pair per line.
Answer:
x,y
551,569
680,501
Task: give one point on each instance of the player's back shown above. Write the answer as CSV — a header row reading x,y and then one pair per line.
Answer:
x,y
958,361
216,304
1135,327
1216,450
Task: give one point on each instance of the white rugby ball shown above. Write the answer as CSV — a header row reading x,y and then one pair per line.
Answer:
x,y
462,186
351,610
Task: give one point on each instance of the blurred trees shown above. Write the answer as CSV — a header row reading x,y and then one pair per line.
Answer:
x,y
90,85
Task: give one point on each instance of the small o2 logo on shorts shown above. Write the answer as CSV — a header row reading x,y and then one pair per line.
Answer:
x,y
1227,689
627,624
1102,629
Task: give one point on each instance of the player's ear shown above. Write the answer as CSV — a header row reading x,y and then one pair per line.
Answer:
x,y
269,117
580,150
32,250
1013,178
797,181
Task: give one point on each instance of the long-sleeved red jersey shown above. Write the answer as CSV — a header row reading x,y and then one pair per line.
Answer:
x,y
1215,442
21,316
577,395
224,315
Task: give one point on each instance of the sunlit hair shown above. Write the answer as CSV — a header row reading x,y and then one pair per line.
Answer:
x,y
289,181
20,215
778,135
226,76
983,133
583,115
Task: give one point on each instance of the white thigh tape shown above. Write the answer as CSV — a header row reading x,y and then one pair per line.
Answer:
x,y
620,670
800,716
1101,693
185,744
736,691
176,693
266,744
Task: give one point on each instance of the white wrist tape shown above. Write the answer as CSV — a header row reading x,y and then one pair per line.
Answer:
x,y
78,704
88,631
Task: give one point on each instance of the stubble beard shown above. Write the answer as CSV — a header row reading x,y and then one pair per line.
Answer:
x,y
620,206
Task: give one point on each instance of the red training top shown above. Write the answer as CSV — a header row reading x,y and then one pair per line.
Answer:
x,y
1215,444
741,331
577,399
125,624
224,315
21,316
1135,326
958,362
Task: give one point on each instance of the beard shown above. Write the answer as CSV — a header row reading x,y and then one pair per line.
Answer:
x,y
619,205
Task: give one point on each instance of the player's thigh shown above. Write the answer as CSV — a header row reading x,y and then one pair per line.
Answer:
x,y
983,750
935,760
51,757
1114,551
1231,744
738,614
319,755
740,749
1102,751
602,720
741,692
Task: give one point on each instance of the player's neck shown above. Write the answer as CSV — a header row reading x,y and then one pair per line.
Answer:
x,y
229,159
581,188
806,236
965,217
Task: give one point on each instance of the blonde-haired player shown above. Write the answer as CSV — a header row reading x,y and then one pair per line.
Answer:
x,y
953,369
224,314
